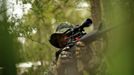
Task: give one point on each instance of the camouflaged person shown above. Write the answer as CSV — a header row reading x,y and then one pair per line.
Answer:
x,y
79,60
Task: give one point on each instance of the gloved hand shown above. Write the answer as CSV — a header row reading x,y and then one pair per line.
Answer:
x,y
69,54
65,56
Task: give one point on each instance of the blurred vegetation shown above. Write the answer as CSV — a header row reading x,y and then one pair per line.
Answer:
x,y
26,39
120,47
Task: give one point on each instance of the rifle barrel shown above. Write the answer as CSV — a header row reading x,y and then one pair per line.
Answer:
x,y
92,36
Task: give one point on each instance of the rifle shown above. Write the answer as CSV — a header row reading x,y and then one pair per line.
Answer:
x,y
75,34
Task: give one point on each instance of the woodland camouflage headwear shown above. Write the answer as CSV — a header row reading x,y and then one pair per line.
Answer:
x,y
59,32
63,27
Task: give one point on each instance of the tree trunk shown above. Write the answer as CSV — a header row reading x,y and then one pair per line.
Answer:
x,y
96,12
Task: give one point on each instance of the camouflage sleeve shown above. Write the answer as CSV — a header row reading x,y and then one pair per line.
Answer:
x,y
78,60
52,68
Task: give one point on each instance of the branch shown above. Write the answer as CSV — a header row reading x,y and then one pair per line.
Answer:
x,y
43,44
35,41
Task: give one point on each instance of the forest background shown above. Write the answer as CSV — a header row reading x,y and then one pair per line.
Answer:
x,y
25,27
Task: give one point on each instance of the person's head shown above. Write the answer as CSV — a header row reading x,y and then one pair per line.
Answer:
x,y
55,38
